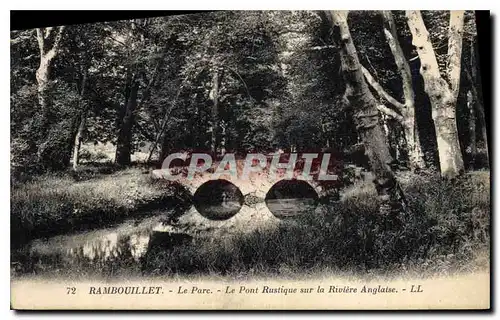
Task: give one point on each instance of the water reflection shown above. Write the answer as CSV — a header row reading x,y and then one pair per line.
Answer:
x,y
218,199
128,242
139,245
110,247
290,198
285,208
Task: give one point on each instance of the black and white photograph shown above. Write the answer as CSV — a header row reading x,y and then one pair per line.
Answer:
x,y
255,160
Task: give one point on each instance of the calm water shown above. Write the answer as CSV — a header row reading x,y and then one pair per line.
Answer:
x,y
284,208
222,211
129,243
124,242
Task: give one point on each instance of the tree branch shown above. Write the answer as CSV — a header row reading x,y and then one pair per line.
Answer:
x,y
147,90
382,108
48,31
57,41
144,132
399,58
117,41
166,117
58,38
40,39
381,92
243,81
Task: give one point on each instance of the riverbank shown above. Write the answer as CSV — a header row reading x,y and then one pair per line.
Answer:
x,y
53,204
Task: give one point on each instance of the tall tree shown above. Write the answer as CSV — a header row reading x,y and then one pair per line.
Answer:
x,y
366,115
48,43
476,106
126,121
144,58
217,76
405,114
472,127
49,40
81,121
442,90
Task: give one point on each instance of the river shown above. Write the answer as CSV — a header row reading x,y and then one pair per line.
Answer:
x,y
126,245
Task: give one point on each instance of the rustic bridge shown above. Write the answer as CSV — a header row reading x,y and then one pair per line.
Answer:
x,y
255,190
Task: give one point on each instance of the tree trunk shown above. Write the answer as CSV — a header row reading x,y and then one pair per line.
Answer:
x,y
484,131
214,95
478,105
79,139
415,153
443,96
49,40
42,78
47,55
481,117
366,115
223,140
124,141
324,132
82,124
472,128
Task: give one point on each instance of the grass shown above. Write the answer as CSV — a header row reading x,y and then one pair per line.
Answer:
x,y
57,203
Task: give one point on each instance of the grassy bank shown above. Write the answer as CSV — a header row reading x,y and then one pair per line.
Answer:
x,y
57,203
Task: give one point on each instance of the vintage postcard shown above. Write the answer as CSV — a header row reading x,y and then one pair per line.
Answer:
x,y
251,160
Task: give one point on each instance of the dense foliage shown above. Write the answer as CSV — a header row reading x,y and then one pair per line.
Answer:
x,y
279,85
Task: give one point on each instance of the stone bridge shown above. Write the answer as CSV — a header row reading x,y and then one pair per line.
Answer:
x,y
254,212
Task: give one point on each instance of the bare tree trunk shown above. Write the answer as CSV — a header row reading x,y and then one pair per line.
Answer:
x,y
415,153
47,55
42,78
478,105
214,123
79,139
443,96
479,108
472,127
484,129
82,124
127,118
124,141
324,132
366,115
223,139
49,40
214,95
